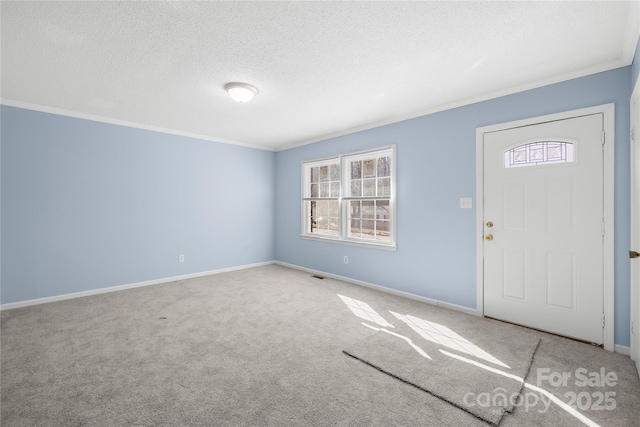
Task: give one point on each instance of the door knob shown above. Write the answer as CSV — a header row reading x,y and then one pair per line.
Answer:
x,y
489,224
489,237
634,254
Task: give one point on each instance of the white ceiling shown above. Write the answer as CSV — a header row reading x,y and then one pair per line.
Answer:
x,y
321,68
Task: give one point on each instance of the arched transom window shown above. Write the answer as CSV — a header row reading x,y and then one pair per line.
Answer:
x,y
539,153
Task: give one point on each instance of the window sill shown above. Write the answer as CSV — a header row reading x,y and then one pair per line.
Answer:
x,y
384,247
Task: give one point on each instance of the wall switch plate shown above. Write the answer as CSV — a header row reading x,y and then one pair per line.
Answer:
x,y
181,258
466,203
346,260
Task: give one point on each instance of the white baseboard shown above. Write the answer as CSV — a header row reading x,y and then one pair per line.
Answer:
x,y
385,289
617,348
622,350
37,301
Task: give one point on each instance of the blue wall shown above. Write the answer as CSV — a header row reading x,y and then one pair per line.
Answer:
x,y
436,165
88,205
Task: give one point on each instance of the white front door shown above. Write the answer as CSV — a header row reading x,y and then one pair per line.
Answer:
x,y
543,211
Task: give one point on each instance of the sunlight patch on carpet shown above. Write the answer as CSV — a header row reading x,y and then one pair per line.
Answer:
x,y
481,392
444,336
364,311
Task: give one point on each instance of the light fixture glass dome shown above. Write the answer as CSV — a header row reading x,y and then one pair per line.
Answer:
x,y
240,92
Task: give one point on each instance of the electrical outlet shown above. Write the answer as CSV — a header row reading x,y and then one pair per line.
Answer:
x,y
346,259
466,203
181,258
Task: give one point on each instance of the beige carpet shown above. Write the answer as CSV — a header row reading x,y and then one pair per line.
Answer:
x,y
256,347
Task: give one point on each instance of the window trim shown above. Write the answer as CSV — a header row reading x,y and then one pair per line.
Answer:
x,y
343,201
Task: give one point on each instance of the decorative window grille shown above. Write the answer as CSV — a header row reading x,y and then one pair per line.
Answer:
x,y
539,153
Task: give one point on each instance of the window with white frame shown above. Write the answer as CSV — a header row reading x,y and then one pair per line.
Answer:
x,y
351,198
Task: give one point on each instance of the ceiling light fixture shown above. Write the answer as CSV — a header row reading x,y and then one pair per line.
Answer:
x,y
240,92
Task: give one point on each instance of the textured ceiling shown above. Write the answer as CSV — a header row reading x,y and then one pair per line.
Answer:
x,y
321,68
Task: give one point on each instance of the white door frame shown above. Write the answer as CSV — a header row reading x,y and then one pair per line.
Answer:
x,y
635,231
608,110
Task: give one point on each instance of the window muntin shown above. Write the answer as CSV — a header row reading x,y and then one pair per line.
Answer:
x,y
321,197
324,217
539,153
325,180
350,198
369,196
370,177
370,219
